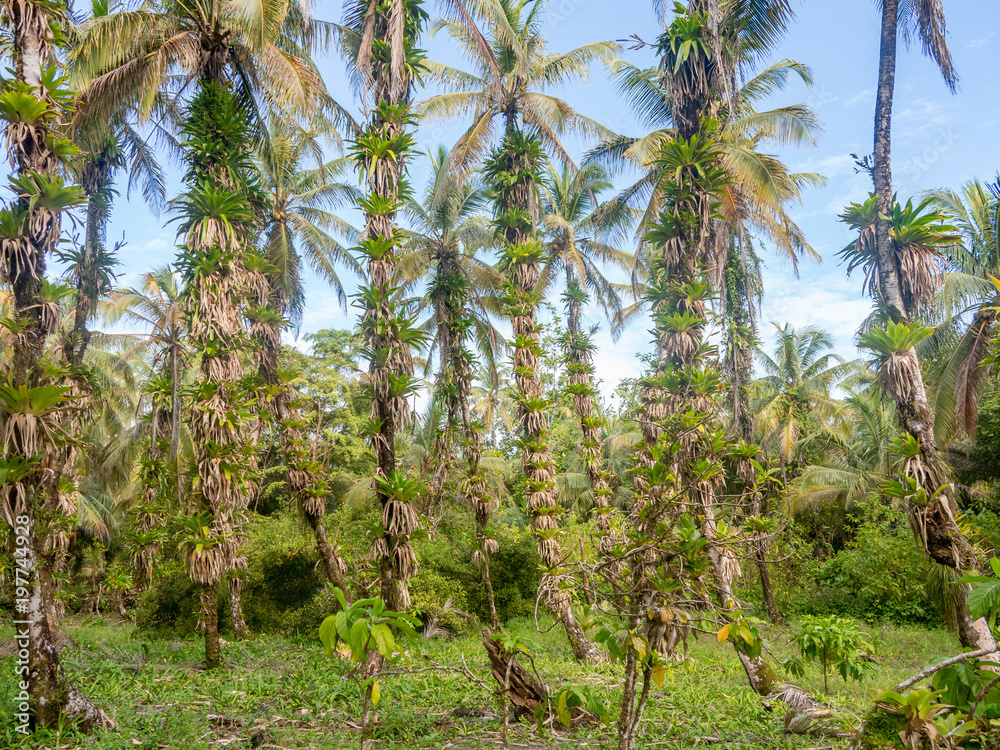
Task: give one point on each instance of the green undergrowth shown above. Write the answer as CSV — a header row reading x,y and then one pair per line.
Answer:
x,y
282,692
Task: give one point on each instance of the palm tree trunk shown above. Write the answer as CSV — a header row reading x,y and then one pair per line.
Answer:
x,y
224,435
945,542
759,543
86,288
477,492
210,621
889,285
581,368
390,88
514,166
444,442
34,501
240,628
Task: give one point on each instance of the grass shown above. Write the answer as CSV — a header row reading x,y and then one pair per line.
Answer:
x,y
284,693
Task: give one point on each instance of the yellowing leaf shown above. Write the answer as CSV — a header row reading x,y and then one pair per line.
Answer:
x,y
659,675
724,633
376,693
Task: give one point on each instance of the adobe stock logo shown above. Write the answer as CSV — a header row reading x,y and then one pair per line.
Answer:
x,y
22,716
23,569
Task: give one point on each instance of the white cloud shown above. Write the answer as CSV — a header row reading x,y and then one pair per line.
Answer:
x,y
866,96
615,361
828,166
923,114
823,297
977,43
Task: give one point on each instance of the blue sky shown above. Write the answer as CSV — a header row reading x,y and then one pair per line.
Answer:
x,y
939,139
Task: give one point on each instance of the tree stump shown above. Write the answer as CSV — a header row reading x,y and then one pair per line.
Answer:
x,y
526,693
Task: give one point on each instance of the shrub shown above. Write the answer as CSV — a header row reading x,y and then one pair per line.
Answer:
x,y
833,642
880,575
281,585
514,571
171,605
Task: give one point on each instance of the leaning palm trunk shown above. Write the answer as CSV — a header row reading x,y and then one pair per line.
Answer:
x,y
304,474
450,295
388,35
34,501
580,367
514,171
943,541
741,337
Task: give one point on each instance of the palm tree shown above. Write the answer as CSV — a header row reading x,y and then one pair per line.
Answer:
x,y
512,71
299,203
924,21
794,396
448,230
106,152
514,172
132,57
387,62
695,165
857,459
34,402
762,187
155,312
135,57
300,221
574,224
156,308
108,146
917,240
754,204
970,298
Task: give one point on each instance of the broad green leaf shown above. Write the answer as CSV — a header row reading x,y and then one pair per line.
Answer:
x,y
327,634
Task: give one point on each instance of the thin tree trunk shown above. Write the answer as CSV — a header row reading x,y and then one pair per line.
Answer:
x,y
889,286
633,706
760,555
760,545
240,628
210,621
328,558
86,285
583,649
491,606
